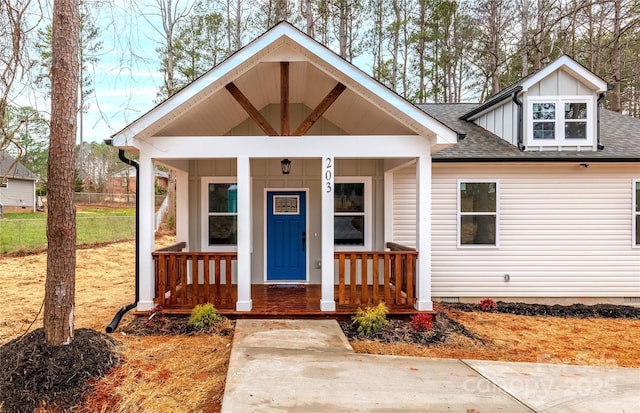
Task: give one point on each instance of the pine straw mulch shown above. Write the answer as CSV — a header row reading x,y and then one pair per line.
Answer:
x,y
36,375
601,335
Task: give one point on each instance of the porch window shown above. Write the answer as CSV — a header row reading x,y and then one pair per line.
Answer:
x,y
220,206
636,213
478,213
352,213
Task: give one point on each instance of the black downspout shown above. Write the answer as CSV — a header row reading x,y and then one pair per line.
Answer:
x,y
600,99
518,102
116,319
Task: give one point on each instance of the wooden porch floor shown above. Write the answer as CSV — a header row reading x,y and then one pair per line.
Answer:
x,y
282,301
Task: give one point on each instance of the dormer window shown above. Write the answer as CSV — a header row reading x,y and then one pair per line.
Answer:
x,y
562,121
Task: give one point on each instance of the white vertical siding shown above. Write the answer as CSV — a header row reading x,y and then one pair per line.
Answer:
x,y
404,206
559,83
501,121
565,231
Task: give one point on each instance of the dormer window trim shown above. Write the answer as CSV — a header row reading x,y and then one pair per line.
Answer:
x,y
555,116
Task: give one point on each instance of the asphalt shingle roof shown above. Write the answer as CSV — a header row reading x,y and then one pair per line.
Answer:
x,y
18,171
620,135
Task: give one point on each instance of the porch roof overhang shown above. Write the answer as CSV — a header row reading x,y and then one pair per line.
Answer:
x,y
205,108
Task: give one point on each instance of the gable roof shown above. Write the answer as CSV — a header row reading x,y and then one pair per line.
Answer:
x,y
14,170
284,43
620,135
564,62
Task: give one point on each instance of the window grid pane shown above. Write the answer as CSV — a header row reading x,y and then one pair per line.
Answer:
x,y
478,213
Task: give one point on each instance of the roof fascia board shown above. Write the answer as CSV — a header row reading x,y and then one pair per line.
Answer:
x,y
370,88
224,69
422,122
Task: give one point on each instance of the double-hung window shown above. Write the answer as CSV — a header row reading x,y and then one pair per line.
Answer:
x,y
352,213
478,213
4,182
636,213
220,213
560,121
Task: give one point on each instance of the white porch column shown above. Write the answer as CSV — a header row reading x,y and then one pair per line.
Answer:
x,y
182,206
146,198
423,233
244,235
327,301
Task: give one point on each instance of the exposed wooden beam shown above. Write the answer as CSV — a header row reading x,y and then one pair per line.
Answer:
x,y
319,110
251,110
284,98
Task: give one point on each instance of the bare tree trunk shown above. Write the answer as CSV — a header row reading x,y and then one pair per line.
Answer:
x,y
306,9
342,28
61,222
524,32
616,65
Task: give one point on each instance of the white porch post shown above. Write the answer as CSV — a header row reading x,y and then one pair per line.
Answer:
x,y
327,301
244,235
146,236
423,235
182,206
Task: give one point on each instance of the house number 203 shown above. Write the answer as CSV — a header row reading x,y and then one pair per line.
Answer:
x,y
328,175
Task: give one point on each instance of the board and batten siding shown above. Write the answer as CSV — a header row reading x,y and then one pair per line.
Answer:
x,y
564,231
502,121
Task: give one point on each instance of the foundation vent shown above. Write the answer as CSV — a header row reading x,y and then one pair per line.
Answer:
x,y
449,299
632,300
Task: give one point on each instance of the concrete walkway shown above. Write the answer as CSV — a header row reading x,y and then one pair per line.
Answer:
x,y
309,366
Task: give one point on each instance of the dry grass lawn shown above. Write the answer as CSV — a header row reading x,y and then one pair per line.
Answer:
x,y
181,373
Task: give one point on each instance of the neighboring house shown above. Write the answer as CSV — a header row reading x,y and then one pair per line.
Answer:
x,y
17,185
530,196
124,181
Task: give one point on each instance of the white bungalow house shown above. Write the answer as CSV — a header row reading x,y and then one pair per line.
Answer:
x,y
296,169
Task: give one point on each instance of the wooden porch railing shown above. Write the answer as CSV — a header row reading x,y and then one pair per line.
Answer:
x,y
186,279
368,277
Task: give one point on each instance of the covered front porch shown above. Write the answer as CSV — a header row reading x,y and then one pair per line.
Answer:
x,y
360,178
390,278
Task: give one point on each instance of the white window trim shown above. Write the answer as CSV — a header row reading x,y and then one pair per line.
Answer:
x,y
368,216
459,213
560,121
4,182
634,213
204,212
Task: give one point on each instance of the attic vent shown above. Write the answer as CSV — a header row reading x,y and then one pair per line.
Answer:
x,y
449,299
632,300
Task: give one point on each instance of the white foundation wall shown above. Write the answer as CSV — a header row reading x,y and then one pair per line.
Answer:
x,y
564,231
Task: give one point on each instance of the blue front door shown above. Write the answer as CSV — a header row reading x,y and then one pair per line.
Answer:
x,y
286,236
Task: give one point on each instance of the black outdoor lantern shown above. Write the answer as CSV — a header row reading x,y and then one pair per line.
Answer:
x,y
286,166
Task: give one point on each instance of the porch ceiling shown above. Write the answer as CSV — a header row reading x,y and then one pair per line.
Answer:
x,y
218,113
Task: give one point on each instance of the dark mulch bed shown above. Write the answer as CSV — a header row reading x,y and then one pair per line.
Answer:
x,y
400,331
175,325
34,374
575,310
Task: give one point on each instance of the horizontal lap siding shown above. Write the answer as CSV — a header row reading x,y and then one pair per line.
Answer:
x,y
564,231
404,206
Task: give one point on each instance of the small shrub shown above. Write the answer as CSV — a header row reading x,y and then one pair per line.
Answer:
x,y
487,304
422,322
204,316
371,319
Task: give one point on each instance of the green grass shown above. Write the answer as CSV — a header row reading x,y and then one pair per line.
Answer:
x,y
27,231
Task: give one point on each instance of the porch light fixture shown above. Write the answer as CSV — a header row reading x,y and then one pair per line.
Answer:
x,y
285,164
